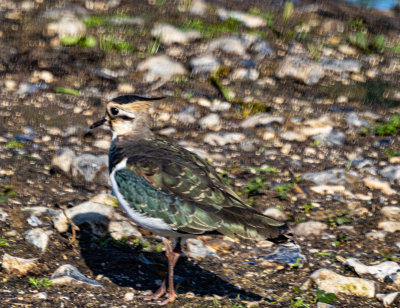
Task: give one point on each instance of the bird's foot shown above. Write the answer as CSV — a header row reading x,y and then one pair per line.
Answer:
x,y
169,299
156,295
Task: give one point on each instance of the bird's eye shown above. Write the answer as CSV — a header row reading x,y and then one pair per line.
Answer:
x,y
114,111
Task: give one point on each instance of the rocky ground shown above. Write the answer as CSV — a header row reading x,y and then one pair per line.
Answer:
x,y
296,106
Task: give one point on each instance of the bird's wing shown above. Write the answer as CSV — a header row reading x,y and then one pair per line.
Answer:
x,y
186,192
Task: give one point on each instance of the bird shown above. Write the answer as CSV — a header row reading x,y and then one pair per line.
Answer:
x,y
171,191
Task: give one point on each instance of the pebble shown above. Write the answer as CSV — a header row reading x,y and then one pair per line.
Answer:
x,y
34,221
198,7
122,229
90,168
129,296
160,67
29,88
289,253
3,215
354,121
347,50
211,121
341,66
63,159
41,210
231,44
218,105
293,136
204,64
245,74
391,172
275,213
40,296
331,176
168,34
197,249
250,21
308,228
38,237
389,226
261,119
67,26
374,183
69,275
391,212
332,282
376,235
222,139
389,299
18,266
388,271
188,115
262,48
334,138
304,70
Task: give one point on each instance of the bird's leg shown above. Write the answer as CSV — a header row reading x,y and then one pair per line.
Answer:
x,y
172,256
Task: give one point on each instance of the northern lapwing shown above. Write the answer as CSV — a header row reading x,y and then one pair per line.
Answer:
x,y
170,191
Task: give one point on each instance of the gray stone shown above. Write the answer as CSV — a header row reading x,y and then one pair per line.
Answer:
x,y
218,105
391,212
90,168
3,215
204,64
288,253
308,228
188,115
262,48
29,88
231,44
197,249
391,172
248,20
334,138
211,121
248,146
41,210
38,237
222,139
302,69
354,121
275,214
63,159
160,67
387,271
168,34
389,299
245,74
341,66
332,282
261,119
70,275
122,229
34,221
331,176
18,266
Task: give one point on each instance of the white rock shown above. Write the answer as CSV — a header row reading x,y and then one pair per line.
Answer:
x,y
245,74
63,159
160,67
391,172
197,249
354,121
309,228
218,105
3,215
41,210
168,34
374,183
307,71
34,221
331,176
18,266
223,139
122,229
211,121
40,296
204,64
331,282
188,115
90,168
376,235
250,21
230,44
261,119
341,66
293,136
275,213
389,299
129,296
328,189
68,25
391,212
102,144
101,5
334,138
198,7
387,271
70,275
38,237
389,226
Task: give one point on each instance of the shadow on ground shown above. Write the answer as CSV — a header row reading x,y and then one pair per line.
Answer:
x,y
128,266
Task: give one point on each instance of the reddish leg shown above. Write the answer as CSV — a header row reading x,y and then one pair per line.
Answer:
x,y
172,256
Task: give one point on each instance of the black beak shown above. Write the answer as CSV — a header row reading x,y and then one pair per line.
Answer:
x,y
98,123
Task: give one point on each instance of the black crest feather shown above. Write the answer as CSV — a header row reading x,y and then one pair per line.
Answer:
x,y
131,98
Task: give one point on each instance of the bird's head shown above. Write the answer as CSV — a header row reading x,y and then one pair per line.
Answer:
x,y
127,114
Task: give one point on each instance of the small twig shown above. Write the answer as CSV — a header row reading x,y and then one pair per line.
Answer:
x,y
73,227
